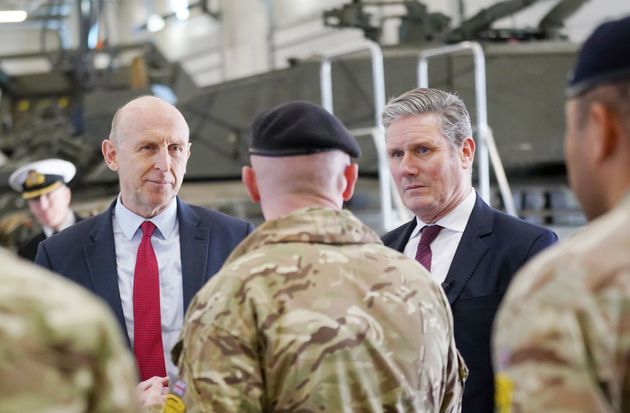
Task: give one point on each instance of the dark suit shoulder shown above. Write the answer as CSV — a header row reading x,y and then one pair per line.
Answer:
x,y
63,248
523,228
82,228
516,238
29,249
218,218
394,235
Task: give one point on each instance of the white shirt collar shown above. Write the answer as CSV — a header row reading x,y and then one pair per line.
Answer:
x,y
130,221
456,220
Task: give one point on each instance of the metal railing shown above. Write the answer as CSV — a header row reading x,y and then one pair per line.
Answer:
x,y
486,144
377,131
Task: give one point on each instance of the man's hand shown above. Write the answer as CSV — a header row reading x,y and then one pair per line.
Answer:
x,y
152,391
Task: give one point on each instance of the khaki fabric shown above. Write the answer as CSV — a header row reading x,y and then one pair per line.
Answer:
x,y
60,349
311,313
562,335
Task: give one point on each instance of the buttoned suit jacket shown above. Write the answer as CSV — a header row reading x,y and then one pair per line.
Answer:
x,y
85,252
493,247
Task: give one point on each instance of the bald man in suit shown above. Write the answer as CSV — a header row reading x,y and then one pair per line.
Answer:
x,y
151,281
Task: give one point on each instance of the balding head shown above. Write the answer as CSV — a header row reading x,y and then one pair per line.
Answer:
x,y
142,112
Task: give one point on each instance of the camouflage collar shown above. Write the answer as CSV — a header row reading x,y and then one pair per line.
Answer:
x,y
309,225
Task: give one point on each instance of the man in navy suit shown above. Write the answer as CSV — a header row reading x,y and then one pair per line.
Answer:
x,y
149,148
474,250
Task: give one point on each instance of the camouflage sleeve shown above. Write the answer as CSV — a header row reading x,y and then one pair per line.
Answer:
x,y
456,372
543,361
58,361
218,363
114,374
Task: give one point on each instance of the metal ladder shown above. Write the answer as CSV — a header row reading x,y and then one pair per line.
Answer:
x,y
377,131
486,144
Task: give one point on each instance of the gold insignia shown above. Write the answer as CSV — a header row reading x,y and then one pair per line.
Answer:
x,y
34,178
504,389
42,191
173,404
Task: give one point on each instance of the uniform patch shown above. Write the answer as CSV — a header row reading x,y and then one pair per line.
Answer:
x,y
179,388
173,404
504,389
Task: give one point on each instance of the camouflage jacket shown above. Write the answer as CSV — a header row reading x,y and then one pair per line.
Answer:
x,y
60,349
311,313
562,336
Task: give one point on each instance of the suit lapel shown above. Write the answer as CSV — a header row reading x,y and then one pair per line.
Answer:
x,y
399,243
100,256
470,251
194,243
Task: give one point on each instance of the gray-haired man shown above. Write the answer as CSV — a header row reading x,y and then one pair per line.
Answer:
x,y
472,249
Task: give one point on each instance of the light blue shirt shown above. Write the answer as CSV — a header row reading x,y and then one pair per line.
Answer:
x,y
165,241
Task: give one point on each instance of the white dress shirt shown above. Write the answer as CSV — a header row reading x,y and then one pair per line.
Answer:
x,y
165,241
445,244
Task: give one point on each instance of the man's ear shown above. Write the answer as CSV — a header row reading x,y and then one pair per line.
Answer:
x,y
351,173
605,132
467,152
109,154
248,175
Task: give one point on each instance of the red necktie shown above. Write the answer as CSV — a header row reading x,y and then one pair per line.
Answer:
x,y
147,325
423,253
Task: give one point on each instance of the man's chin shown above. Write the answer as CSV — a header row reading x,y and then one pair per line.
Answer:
x,y
50,223
161,199
420,208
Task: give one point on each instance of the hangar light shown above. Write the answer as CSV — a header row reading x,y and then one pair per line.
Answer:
x,y
12,16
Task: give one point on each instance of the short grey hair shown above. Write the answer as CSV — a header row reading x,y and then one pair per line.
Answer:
x,y
454,118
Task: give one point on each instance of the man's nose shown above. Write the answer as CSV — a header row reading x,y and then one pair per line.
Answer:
x,y
163,159
44,201
408,166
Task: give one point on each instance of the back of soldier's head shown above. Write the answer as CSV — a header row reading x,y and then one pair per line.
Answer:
x,y
299,147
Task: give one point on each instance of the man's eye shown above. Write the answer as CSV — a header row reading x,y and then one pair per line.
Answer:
x,y
423,149
177,148
395,154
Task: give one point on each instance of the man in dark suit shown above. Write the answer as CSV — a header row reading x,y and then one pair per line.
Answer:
x,y
43,184
472,249
149,252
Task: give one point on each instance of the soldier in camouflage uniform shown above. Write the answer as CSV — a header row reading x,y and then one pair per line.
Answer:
x,y
60,349
312,313
562,337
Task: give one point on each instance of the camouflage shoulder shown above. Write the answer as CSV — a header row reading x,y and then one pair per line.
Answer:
x,y
65,345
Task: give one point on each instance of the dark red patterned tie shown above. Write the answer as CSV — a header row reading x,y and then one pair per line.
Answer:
x,y
423,253
147,325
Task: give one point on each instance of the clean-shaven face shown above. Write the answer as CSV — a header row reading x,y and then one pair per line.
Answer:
x,y
431,175
151,154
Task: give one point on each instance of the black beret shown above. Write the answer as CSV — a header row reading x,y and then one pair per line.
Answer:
x,y
300,128
604,58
